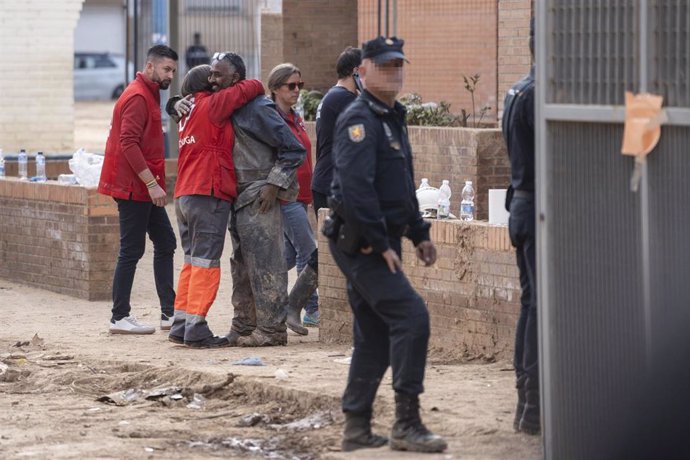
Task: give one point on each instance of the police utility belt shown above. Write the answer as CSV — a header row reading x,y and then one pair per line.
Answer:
x,y
345,237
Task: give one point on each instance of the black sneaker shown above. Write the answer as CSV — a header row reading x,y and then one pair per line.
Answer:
x,y
211,342
176,339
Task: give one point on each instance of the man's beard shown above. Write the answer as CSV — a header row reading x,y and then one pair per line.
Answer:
x,y
165,84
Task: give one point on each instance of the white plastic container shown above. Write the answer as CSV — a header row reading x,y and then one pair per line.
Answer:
x,y
497,211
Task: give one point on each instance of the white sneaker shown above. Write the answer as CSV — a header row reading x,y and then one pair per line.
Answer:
x,y
130,325
166,322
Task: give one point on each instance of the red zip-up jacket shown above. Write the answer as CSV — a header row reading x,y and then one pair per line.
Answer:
x,y
134,143
305,171
205,165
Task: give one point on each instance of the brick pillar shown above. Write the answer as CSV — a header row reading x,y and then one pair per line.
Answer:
x,y
513,44
315,32
37,47
271,43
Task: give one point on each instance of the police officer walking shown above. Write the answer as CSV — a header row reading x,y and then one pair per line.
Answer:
x,y
374,204
518,131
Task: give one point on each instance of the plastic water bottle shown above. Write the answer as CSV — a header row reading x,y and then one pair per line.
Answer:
x,y
40,167
2,165
444,193
467,205
425,184
299,107
23,165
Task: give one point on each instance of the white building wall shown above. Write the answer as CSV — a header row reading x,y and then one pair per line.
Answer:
x,y
37,49
101,27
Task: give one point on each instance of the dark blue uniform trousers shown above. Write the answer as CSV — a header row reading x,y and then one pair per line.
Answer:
x,y
391,327
523,236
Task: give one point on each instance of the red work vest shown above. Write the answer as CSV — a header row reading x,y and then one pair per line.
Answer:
x,y
305,171
205,166
118,179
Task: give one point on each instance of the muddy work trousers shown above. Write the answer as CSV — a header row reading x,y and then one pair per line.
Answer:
x,y
391,327
259,274
202,221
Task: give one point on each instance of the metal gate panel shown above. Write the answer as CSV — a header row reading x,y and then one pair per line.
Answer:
x,y
591,213
593,51
613,265
670,63
669,170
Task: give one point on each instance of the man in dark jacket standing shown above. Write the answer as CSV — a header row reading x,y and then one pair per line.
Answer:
x,y
134,175
331,106
373,198
518,130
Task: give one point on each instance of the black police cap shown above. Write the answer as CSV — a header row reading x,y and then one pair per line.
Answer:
x,y
383,49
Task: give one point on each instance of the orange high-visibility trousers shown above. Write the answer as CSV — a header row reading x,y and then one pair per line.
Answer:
x,y
202,221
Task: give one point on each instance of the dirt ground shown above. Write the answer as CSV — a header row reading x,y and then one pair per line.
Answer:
x,y
57,360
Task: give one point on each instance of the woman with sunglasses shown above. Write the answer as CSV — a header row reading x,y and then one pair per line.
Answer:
x,y
285,83
206,186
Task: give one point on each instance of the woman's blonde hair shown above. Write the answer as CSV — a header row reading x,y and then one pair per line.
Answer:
x,y
280,75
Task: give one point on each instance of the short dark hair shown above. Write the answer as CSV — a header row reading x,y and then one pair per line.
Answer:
x,y
161,51
237,62
347,61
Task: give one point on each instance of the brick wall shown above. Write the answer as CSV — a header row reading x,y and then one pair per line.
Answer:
x,y
271,43
54,167
315,32
472,292
37,49
457,154
443,41
57,237
513,47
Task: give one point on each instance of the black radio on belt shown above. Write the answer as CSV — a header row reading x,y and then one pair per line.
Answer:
x,y
345,237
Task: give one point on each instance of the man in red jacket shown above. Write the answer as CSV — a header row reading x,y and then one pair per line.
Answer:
x,y
134,175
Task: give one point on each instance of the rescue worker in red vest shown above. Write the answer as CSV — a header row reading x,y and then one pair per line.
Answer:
x,y
205,189
266,156
134,175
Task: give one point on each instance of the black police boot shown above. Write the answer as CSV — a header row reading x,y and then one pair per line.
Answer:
x,y
358,435
530,423
408,431
299,295
520,409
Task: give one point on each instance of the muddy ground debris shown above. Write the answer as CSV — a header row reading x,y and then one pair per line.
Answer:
x,y
165,408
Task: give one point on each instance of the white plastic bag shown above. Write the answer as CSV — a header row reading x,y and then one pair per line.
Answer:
x,y
86,167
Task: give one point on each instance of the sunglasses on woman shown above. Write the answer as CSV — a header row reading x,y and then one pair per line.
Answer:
x,y
292,86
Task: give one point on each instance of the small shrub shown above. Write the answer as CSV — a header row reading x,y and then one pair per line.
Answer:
x,y
471,86
310,102
421,113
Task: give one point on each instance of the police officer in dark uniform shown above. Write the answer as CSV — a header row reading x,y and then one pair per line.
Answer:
x,y
373,205
518,131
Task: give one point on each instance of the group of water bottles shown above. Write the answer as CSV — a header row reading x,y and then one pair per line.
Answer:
x,y
444,194
23,166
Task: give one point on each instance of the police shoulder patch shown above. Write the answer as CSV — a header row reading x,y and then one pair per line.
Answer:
x,y
356,133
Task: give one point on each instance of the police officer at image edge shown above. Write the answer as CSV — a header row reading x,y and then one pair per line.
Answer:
x,y
373,204
519,134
